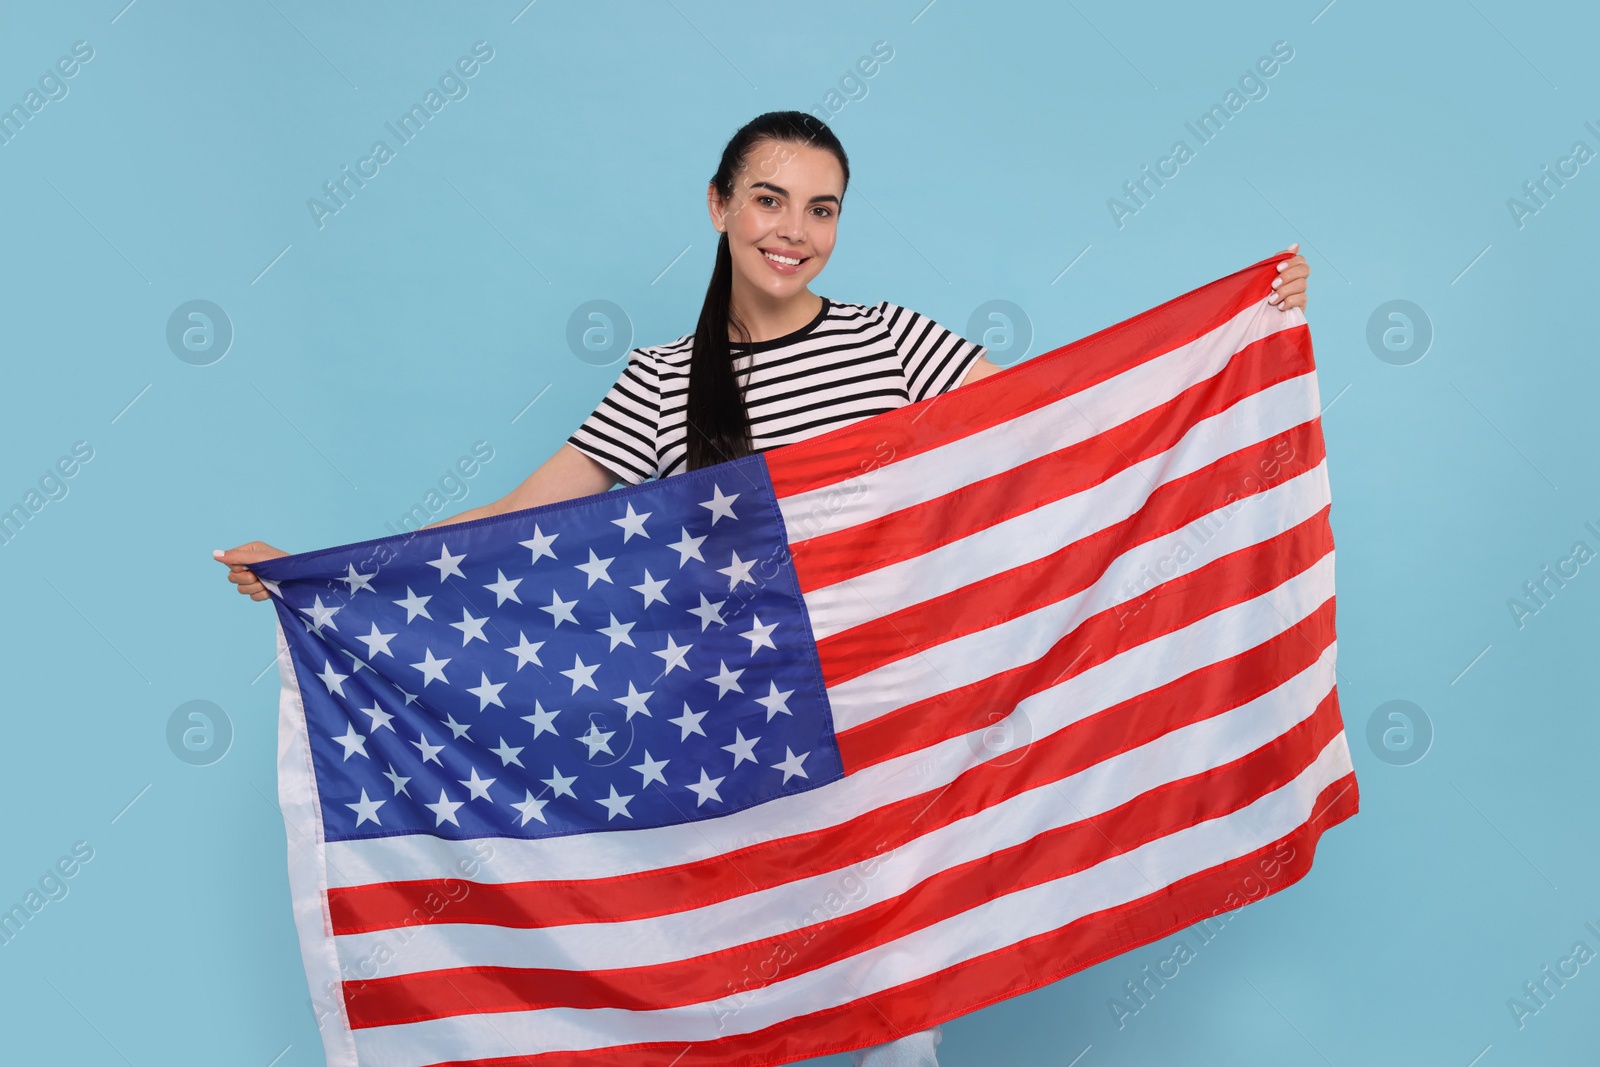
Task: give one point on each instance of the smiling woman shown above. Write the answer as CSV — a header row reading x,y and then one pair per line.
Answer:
x,y
771,362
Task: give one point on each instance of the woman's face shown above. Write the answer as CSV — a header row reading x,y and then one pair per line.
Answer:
x,y
785,203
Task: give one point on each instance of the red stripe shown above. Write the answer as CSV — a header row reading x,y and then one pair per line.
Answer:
x,y
1070,569
1228,580
818,461
977,983
835,557
1198,695
1052,854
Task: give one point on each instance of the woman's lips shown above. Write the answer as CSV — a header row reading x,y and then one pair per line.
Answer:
x,y
784,268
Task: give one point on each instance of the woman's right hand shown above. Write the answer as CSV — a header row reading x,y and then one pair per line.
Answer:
x,y
238,560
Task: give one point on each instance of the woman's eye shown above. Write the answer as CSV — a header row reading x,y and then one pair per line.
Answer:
x,y
764,197
826,212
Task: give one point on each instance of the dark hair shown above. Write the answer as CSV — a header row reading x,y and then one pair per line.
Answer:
x,y
718,421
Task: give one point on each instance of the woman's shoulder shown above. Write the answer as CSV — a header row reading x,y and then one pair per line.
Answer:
x,y
672,355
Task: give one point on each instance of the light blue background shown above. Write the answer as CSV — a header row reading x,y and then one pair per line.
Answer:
x,y
433,309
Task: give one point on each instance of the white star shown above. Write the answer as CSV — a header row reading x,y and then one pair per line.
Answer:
x,y
366,810
432,669
543,721
507,754
531,808
720,505
689,722
377,641
673,655
410,697
445,809
356,662
738,571
478,788
688,548
651,769
595,568
725,680
560,610
415,605
457,730
397,780
618,632
790,764
651,589
504,588
615,804
632,523
526,651
562,786
487,692
470,627
597,739
759,635
271,585
705,789
321,616
447,566
743,748
709,613
582,674
775,701
634,701
540,544
429,752
379,717
356,581
353,742
332,678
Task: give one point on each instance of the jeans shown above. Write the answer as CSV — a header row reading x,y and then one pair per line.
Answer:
x,y
913,1050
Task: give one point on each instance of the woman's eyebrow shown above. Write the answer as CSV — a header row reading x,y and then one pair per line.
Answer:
x,y
823,198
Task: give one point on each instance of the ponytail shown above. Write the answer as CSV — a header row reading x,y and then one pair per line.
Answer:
x,y
718,420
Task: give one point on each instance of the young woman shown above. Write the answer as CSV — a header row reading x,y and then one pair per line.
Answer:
x,y
770,362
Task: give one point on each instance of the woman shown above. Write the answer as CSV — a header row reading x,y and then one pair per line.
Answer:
x,y
769,363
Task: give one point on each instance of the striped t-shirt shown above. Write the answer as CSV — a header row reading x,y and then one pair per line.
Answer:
x,y
850,362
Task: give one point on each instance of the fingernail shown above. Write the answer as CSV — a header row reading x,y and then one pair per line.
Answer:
x,y
1277,282
217,553
1284,264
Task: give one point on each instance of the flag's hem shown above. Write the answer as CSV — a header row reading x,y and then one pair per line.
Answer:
x,y
307,861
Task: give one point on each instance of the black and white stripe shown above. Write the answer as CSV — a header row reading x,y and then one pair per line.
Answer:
x,y
851,362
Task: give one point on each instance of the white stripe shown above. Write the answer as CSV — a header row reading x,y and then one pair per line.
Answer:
x,y
1002,922
928,475
1052,526
779,910
1218,636
1023,639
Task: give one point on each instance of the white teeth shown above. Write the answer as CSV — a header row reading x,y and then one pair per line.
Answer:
x,y
782,259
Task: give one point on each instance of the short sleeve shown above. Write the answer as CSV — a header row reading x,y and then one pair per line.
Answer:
x,y
620,434
934,358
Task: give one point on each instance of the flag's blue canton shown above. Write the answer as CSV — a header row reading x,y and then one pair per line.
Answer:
x,y
637,658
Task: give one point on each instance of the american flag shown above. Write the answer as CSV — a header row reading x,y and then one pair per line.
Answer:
x,y
803,751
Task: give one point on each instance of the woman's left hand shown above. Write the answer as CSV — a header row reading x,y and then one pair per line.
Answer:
x,y
1289,287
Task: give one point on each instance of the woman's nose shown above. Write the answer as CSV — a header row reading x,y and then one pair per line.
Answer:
x,y
793,227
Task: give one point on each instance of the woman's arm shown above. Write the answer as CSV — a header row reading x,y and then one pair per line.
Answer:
x,y
982,368
564,476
